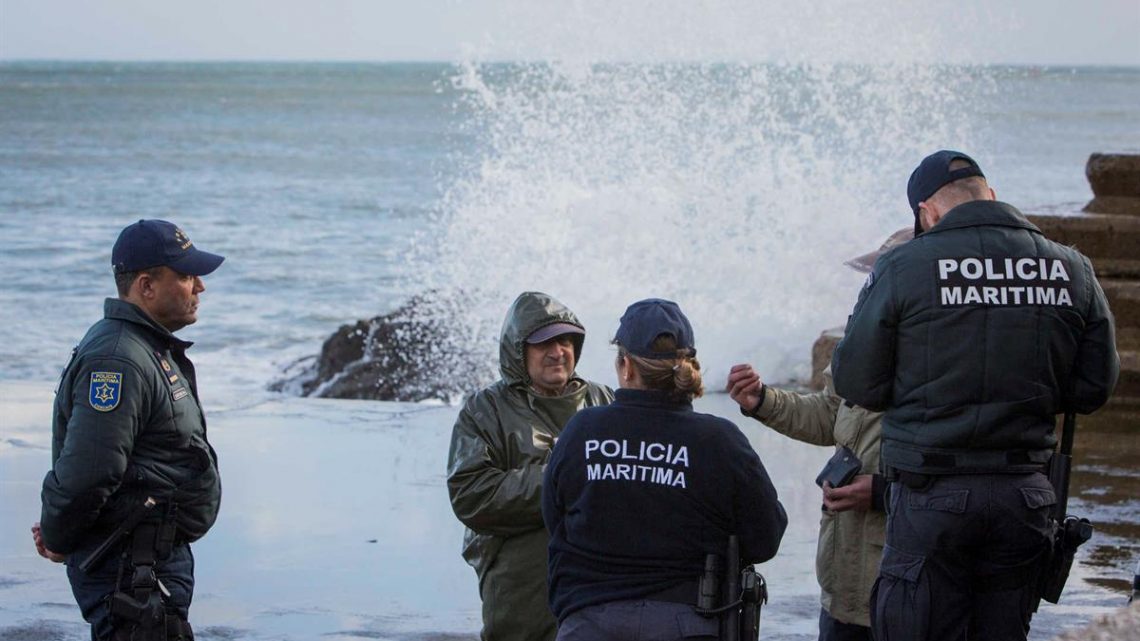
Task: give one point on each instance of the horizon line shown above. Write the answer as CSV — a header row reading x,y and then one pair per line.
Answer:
x,y
453,61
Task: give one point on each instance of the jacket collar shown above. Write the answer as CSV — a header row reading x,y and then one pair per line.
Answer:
x,y
649,398
118,309
983,212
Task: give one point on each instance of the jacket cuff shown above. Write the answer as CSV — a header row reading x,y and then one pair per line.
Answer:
x,y
752,413
878,493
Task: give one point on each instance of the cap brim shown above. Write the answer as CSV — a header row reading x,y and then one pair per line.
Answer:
x,y
543,334
197,263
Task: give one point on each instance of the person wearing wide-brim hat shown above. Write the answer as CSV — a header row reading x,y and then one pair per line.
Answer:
x,y
853,523
639,492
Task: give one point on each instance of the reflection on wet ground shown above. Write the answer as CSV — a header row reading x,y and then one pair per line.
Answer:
x,y
335,524
1106,488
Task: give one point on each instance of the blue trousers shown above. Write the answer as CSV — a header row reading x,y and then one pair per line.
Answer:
x,y
962,558
93,590
637,620
832,629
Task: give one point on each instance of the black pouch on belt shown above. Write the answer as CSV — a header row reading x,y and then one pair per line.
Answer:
x,y
840,468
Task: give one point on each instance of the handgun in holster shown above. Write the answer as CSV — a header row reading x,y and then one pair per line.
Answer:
x,y
142,604
1069,532
733,594
1068,535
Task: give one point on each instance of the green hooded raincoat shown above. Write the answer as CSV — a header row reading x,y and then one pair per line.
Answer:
x,y
499,448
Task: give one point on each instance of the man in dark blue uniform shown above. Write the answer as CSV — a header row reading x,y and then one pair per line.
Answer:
x,y
972,338
130,459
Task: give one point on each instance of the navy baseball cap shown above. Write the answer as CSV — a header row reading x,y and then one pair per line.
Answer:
x,y
156,243
647,319
932,174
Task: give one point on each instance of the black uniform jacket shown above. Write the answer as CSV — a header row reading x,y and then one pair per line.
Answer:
x,y
973,337
127,425
639,492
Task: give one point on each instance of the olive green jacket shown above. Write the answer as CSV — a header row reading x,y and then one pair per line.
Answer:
x,y
851,542
499,448
127,425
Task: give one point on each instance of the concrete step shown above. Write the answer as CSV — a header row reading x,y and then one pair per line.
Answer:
x,y
1112,242
1128,387
1124,301
1114,205
1115,181
1128,338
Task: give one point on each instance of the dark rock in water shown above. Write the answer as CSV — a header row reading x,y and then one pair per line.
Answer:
x,y
412,354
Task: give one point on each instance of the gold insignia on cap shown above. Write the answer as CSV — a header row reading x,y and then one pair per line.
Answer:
x,y
182,239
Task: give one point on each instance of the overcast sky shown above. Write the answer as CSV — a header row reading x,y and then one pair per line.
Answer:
x,y
1063,32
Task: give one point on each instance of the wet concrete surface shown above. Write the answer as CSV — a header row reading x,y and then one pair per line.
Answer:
x,y
1105,488
335,526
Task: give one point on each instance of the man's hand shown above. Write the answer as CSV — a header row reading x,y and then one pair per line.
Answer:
x,y
856,495
744,386
38,537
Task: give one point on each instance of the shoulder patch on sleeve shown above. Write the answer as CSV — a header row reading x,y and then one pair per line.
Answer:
x,y
105,391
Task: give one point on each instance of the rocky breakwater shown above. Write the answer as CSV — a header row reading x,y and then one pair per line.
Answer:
x,y
1107,230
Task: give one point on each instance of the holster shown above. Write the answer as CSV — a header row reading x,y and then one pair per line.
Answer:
x,y
1068,535
140,609
754,594
732,594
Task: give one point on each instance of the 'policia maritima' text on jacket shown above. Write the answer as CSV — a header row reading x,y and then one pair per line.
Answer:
x,y
639,492
126,425
499,447
998,330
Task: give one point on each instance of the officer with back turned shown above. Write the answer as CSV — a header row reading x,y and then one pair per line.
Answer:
x,y
133,478
972,338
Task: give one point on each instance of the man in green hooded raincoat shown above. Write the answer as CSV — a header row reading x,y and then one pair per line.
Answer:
x,y
499,448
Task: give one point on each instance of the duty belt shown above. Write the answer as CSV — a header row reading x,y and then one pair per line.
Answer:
x,y
685,592
972,462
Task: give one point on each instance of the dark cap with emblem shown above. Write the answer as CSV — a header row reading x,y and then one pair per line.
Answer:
x,y
647,319
934,173
157,243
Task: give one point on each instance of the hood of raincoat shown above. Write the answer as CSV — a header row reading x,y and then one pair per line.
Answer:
x,y
529,312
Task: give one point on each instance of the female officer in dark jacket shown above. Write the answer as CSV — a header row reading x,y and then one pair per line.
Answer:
x,y
639,492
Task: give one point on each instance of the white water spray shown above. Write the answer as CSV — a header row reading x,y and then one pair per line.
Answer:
x,y
735,188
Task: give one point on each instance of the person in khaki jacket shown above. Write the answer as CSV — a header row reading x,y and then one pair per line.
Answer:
x,y
499,448
852,527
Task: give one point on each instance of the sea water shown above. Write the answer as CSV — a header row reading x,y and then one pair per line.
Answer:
x,y
338,191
